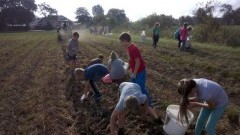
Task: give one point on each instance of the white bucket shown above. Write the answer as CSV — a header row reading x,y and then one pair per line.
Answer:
x,y
171,125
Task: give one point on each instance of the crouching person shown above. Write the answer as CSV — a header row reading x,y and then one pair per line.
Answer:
x,y
116,69
91,75
131,98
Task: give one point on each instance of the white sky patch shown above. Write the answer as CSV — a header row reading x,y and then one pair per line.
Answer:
x,y
134,9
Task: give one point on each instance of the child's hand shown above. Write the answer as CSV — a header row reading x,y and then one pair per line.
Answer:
x,y
192,104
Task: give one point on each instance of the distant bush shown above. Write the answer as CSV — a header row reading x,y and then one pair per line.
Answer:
x,y
225,35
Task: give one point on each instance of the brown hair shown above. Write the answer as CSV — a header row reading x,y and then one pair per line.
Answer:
x,y
113,56
132,103
78,72
125,37
185,87
189,28
75,34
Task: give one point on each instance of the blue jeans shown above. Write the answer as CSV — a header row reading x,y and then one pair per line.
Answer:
x,y
208,119
141,81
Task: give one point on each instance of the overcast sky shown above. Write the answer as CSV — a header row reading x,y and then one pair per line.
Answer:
x,y
134,9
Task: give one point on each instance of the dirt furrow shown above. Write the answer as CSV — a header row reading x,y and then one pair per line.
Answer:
x,y
18,88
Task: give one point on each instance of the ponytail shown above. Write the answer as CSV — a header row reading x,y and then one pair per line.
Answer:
x,y
185,87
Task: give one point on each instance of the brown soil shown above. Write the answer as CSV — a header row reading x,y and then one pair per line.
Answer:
x,y
39,97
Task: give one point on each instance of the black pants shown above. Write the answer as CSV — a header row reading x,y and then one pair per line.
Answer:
x,y
155,40
95,89
179,41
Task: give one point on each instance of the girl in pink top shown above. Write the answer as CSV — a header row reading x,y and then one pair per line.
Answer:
x,y
183,36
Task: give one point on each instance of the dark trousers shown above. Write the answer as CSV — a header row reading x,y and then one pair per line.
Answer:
x,y
95,89
155,40
179,41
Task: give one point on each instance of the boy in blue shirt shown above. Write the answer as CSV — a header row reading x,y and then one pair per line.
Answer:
x,y
91,75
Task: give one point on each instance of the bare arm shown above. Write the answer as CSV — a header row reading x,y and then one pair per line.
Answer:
x,y
87,87
150,110
193,99
209,104
113,121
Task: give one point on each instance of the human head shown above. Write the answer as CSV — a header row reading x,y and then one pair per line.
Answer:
x,y
157,24
189,28
75,35
100,56
125,39
185,87
185,24
132,103
113,56
79,73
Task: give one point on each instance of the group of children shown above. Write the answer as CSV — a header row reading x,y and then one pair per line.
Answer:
x,y
182,35
134,95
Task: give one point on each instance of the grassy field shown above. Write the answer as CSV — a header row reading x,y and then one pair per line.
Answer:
x,y
33,81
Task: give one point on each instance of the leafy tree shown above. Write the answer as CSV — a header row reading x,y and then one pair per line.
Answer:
x,y
99,20
98,15
17,15
200,15
188,19
97,10
208,25
230,16
16,12
116,17
236,15
46,10
28,4
165,21
82,15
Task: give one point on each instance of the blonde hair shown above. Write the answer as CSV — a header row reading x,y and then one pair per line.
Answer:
x,y
132,103
113,56
100,56
79,72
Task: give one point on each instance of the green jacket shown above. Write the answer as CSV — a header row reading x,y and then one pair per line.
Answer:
x,y
156,31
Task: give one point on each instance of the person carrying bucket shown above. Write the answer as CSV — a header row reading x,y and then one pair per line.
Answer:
x,y
214,102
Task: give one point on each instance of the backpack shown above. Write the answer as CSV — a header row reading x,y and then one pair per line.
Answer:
x,y
177,33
